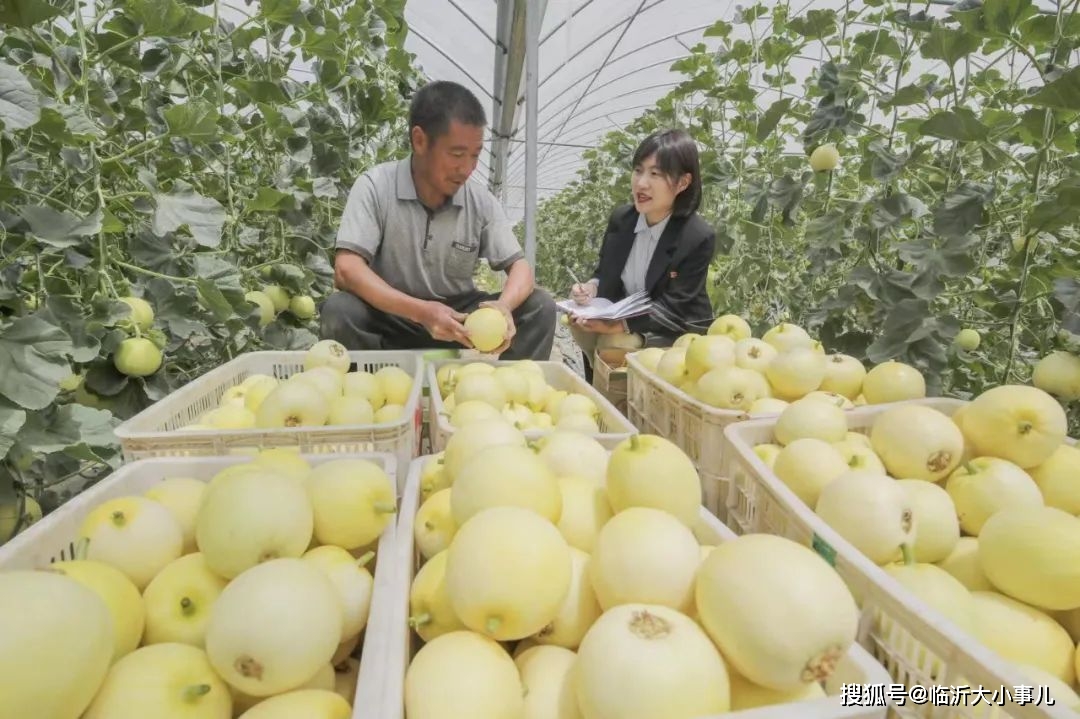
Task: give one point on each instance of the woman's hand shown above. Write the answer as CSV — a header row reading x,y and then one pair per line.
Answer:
x,y
601,327
583,292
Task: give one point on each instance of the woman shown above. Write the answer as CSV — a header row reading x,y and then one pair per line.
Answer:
x,y
660,245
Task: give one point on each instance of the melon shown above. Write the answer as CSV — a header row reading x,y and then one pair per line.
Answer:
x,y
1029,554
779,613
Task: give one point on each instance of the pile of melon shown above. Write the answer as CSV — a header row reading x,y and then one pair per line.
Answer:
x,y
729,369
516,391
976,513
557,579
245,596
325,393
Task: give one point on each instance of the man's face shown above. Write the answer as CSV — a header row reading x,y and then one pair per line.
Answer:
x,y
449,159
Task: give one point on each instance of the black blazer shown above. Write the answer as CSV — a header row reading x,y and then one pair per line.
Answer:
x,y
676,277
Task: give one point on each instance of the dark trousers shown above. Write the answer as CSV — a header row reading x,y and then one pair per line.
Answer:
x,y
359,326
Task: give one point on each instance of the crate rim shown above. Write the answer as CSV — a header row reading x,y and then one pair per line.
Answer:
x,y
994,665
125,432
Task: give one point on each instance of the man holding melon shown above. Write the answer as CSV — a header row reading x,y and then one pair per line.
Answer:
x,y
411,237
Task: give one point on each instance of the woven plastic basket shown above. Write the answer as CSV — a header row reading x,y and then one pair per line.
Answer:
x,y
917,645
153,432
857,667
611,382
614,427
51,539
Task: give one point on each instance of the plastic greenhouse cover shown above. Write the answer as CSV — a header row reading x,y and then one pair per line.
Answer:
x,y
602,63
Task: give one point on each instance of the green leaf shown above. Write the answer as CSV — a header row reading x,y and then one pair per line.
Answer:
x,y
60,229
949,45
33,360
20,105
962,209
325,187
772,117
1061,94
908,95
219,287
279,12
195,120
718,29
261,90
816,24
11,420
78,124
885,164
1061,210
203,216
905,319
894,209
267,199
167,18
959,124
70,426
1043,28
1004,16
27,13
879,43
953,258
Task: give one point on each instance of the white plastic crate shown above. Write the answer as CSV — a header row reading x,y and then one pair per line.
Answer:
x,y
154,431
614,427
857,667
51,540
907,636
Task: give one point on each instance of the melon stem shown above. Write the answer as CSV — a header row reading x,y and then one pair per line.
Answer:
x,y
82,548
187,607
384,507
365,558
970,468
195,691
908,553
420,620
118,518
634,442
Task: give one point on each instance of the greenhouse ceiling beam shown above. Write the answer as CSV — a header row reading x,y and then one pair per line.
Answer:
x,y
509,63
534,20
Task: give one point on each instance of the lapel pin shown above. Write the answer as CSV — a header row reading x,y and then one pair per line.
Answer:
x,y
673,275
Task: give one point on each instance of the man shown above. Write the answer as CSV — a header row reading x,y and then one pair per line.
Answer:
x,y
412,235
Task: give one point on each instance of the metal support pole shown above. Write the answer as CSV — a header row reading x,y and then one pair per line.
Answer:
x,y
533,20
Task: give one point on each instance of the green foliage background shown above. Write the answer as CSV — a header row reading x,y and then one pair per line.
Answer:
x,y
955,205
151,148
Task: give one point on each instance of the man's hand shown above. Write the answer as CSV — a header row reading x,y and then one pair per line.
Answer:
x,y
583,292
445,324
601,327
511,328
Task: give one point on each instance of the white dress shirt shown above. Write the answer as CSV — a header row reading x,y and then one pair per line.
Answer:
x,y
646,239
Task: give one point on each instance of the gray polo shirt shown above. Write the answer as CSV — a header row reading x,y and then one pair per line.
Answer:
x,y
430,255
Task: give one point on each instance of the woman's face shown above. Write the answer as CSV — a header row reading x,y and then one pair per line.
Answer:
x,y
654,192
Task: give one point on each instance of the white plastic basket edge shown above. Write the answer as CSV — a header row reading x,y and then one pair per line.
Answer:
x,y
858,664
25,550
938,634
147,425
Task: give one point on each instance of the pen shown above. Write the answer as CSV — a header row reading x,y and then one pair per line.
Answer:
x,y
572,275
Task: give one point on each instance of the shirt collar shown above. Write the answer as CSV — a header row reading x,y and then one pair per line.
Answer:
x,y
656,230
406,188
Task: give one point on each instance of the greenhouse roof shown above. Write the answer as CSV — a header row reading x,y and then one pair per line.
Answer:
x,y
600,65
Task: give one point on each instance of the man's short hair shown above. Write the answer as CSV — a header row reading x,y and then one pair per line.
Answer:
x,y
437,103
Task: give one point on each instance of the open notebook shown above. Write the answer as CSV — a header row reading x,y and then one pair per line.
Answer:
x,y
600,309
